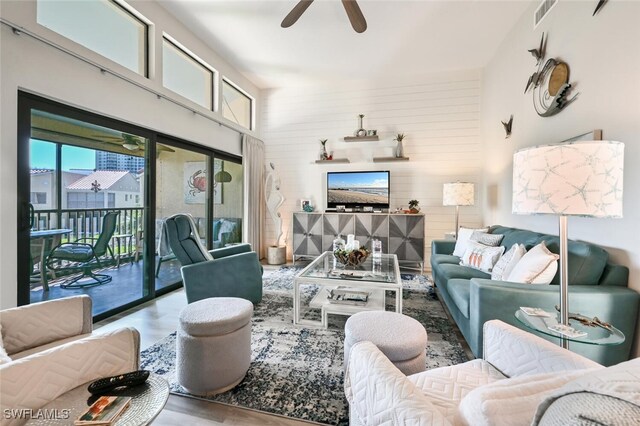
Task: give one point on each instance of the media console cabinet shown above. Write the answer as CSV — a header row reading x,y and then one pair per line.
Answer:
x,y
401,234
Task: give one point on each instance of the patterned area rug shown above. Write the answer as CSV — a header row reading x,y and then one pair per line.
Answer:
x,y
297,371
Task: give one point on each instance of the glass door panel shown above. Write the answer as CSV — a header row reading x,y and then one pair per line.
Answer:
x,y
182,179
87,209
227,203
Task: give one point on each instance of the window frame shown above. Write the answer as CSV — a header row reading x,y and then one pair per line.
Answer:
x,y
134,15
252,103
198,61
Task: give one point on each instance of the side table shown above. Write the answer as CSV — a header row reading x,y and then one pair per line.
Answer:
x,y
595,335
147,401
127,239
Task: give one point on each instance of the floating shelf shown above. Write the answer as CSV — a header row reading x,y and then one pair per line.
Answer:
x,y
386,159
361,138
335,160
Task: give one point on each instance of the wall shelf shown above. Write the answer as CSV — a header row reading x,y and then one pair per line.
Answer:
x,y
335,160
387,159
361,138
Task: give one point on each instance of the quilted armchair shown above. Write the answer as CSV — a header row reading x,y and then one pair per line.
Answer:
x,y
53,351
518,372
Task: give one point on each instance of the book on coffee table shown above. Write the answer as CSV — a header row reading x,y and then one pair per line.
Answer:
x,y
104,411
347,296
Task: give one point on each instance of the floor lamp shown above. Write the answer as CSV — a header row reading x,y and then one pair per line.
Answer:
x,y
458,194
570,179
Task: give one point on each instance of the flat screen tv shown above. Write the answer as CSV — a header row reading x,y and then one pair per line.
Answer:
x,y
358,189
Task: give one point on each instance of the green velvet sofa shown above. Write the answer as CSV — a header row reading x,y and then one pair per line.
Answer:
x,y
596,288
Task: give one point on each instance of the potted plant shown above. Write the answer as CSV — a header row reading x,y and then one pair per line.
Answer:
x,y
399,147
413,206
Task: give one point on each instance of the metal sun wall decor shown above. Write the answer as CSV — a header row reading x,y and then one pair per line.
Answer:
x,y
507,127
549,83
599,6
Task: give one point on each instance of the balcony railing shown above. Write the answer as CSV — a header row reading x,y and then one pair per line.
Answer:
x,y
87,223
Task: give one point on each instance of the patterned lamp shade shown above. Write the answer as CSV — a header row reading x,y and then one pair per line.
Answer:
x,y
458,194
572,179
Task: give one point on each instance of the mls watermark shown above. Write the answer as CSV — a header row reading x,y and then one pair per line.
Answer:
x,y
39,414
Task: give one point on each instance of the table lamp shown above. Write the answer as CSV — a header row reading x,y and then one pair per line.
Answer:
x,y
570,179
458,194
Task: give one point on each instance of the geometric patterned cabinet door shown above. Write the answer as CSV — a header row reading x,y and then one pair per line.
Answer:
x,y
406,237
307,234
370,226
334,224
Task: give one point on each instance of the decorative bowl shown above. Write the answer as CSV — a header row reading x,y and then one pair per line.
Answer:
x,y
352,257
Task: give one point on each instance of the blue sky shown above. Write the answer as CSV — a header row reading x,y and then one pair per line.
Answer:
x,y
43,156
364,179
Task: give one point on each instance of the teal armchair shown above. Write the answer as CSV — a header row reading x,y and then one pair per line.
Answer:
x,y
233,271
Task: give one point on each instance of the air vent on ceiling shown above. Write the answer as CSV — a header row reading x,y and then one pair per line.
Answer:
x,y
542,11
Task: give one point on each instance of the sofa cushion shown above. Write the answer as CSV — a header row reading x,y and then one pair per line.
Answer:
x,y
533,265
449,271
480,256
49,345
4,357
446,386
507,262
459,292
511,401
464,235
586,261
445,258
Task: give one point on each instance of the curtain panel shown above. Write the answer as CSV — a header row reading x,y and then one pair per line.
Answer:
x,y
254,206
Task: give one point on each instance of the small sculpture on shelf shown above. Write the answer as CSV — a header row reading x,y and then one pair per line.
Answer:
x,y
361,132
399,148
323,152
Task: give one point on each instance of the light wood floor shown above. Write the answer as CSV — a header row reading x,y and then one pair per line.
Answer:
x,y
155,320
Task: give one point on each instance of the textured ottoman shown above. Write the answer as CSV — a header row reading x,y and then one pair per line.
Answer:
x,y
213,345
401,338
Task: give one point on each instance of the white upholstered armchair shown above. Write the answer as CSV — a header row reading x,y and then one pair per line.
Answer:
x,y
53,350
519,371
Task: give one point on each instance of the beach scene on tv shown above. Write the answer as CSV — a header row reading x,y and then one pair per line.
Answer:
x,y
358,188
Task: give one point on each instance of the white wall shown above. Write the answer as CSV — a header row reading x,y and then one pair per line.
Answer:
x,y
438,113
603,53
31,65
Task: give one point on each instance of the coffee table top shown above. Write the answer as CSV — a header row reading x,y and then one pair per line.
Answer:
x,y
147,401
323,268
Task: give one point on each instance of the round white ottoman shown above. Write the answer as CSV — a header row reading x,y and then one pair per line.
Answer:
x,y
213,345
401,338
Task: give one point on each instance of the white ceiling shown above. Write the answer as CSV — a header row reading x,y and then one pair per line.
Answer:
x,y
403,38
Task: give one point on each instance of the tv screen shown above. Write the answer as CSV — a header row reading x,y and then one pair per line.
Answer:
x,y
358,189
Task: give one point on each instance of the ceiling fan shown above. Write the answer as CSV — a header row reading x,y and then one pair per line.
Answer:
x,y
354,13
130,142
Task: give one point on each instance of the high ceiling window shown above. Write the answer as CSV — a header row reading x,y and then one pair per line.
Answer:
x,y
100,25
186,75
236,106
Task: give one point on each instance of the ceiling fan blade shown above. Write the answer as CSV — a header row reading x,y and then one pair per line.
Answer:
x,y
355,15
295,13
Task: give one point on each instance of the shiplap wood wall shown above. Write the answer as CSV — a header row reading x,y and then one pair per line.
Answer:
x,y
438,113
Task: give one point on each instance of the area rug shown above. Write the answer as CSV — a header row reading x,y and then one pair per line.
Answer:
x,y
296,371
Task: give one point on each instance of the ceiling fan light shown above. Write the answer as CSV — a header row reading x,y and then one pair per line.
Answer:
x,y
130,146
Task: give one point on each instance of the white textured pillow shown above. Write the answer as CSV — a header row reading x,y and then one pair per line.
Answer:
x,y
511,401
507,262
4,358
547,275
479,256
464,234
533,264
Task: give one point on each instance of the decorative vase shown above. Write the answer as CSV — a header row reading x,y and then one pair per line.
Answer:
x,y
399,150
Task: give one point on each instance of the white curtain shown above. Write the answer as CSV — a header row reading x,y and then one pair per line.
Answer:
x,y
254,206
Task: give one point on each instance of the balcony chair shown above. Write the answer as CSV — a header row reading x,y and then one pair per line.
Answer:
x,y
81,256
233,271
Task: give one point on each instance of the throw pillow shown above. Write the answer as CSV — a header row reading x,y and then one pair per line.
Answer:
x,y
487,239
511,401
479,256
505,265
547,275
464,234
4,358
533,264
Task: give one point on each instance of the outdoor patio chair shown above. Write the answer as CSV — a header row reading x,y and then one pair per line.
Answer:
x,y
233,271
84,256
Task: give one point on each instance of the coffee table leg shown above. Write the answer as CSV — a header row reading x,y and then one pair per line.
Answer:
x,y
399,301
296,302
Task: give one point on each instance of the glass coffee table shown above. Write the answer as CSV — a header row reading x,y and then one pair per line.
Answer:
x,y
331,278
